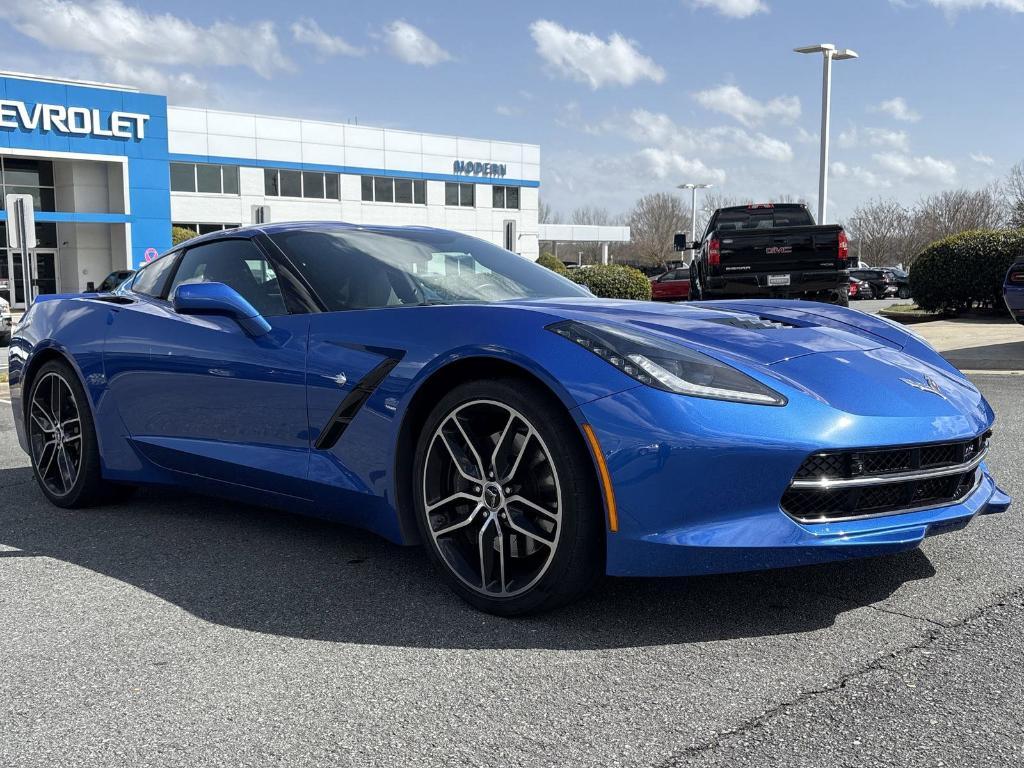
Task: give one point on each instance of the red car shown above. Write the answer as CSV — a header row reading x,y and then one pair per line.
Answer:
x,y
674,285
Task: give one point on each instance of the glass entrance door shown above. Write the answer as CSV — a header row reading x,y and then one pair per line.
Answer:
x,y
42,278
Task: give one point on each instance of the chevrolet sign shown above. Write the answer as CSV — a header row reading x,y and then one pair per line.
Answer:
x,y
77,121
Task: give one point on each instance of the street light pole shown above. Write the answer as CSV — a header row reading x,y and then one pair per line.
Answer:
x,y
829,53
693,206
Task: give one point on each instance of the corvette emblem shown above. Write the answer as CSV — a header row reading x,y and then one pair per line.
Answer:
x,y
929,385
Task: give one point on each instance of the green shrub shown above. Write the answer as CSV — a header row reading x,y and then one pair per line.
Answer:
x,y
613,281
181,234
549,261
965,271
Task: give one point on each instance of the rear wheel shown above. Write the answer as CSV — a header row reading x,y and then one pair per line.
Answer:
x,y
696,292
904,292
505,498
62,441
842,298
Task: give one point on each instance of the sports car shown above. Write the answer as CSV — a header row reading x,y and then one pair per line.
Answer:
x,y
436,389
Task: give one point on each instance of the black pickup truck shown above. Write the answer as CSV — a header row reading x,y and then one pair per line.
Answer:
x,y
771,250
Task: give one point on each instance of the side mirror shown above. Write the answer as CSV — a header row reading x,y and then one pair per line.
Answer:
x,y
679,241
219,299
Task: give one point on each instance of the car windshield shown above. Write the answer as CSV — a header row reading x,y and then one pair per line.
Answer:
x,y
363,268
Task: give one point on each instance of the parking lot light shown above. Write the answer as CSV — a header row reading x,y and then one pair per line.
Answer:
x,y
829,53
693,207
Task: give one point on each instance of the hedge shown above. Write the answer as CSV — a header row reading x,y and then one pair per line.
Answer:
x,y
966,270
613,281
181,234
549,261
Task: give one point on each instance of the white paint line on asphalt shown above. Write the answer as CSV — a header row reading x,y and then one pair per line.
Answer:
x,y
970,372
5,401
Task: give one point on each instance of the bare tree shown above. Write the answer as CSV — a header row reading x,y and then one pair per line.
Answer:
x,y
546,214
1014,190
882,233
591,214
653,222
958,210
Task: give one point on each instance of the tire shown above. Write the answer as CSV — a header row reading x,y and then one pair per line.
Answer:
x,y
547,508
696,293
904,292
5,340
842,298
62,441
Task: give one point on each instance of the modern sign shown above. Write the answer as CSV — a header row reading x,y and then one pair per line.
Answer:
x,y
21,222
470,168
75,121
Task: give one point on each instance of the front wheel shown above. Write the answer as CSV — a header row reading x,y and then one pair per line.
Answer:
x,y
904,292
62,441
506,501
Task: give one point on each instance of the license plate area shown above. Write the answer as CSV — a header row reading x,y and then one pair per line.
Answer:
x,y
778,280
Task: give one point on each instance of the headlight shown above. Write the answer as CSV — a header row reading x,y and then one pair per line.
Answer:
x,y
668,367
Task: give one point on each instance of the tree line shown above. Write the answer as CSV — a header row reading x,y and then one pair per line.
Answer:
x,y
883,231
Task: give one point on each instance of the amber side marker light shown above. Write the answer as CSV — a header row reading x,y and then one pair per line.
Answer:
x,y
606,479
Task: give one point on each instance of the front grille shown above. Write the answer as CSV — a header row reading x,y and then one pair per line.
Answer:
x,y
842,485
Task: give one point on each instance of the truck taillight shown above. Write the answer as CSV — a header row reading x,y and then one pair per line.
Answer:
x,y
844,246
853,289
1017,278
714,253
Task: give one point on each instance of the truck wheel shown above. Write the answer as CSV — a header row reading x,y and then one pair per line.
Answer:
x,y
842,299
696,293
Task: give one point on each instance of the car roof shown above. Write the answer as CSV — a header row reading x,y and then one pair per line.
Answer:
x,y
306,226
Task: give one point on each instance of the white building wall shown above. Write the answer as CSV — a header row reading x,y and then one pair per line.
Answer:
x,y
225,137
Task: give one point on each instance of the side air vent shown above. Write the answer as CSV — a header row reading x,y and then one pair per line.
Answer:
x,y
350,406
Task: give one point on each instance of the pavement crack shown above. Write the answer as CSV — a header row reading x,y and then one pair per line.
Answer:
x,y
759,721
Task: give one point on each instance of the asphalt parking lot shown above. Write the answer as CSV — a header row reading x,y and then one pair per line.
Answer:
x,y
181,631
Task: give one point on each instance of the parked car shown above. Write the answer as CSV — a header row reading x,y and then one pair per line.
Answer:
x,y
883,283
901,278
6,322
114,279
773,250
674,285
1013,291
436,389
860,289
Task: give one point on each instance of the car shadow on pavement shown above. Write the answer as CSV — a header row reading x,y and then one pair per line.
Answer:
x,y
282,574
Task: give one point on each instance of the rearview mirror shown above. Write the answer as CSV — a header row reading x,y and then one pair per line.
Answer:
x,y
219,299
679,241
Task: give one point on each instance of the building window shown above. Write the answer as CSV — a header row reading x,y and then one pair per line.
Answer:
x,y
205,178
315,185
506,197
204,229
459,194
28,177
388,189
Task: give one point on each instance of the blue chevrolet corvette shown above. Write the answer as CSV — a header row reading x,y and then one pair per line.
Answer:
x,y
436,389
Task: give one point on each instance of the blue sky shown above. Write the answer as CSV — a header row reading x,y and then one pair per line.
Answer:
x,y
624,98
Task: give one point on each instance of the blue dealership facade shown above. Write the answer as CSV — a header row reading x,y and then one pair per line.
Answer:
x,y
111,169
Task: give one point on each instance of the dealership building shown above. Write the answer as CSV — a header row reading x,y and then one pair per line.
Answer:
x,y
111,170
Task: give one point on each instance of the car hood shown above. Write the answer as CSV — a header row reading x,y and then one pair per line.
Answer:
x,y
746,335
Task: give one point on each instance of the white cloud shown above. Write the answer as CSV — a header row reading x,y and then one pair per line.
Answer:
x,y
412,45
737,9
952,7
731,101
924,167
982,158
662,164
897,109
874,137
806,137
99,26
308,32
721,141
589,59
506,111
181,87
861,175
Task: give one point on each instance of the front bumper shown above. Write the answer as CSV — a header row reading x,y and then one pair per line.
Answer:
x,y
698,483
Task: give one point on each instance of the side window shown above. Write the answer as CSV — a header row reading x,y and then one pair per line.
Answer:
x,y
238,264
152,278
